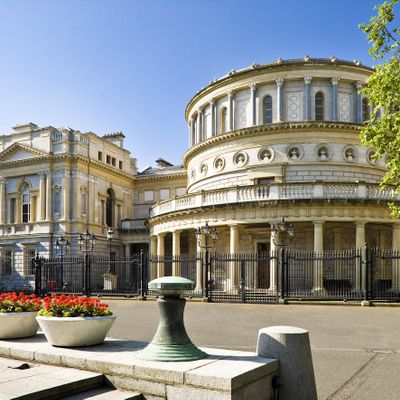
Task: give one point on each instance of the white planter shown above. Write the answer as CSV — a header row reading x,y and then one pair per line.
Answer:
x,y
75,331
17,325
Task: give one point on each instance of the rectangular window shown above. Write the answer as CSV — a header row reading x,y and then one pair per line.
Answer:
x,y
180,191
266,181
113,161
100,156
108,159
120,164
29,254
13,211
164,194
148,195
26,207
6,262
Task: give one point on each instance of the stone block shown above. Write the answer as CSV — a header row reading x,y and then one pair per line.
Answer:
x,y
291,346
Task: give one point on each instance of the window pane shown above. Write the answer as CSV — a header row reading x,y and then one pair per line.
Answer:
x,y
319,106
268,110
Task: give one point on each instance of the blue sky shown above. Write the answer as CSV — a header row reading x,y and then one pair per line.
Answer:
x,y
131,66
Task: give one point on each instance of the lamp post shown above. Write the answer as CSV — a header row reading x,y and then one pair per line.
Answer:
x,y
284,231
86,243
110,237
206,238
62,247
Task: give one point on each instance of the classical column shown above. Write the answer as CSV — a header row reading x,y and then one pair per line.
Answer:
x,y
273,264
199,126
234,265
334,82
176,252
230,111
49,197
95,201
129,265
160,255
279,100
66,194
213,116
396,261
253,93
307,98
32,214
41,209
318,273
360,242
153,254
199,269
3,204
78,197
358,86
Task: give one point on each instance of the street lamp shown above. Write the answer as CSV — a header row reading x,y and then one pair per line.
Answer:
x,y
62,247
206,238
86,242
110,237
284,231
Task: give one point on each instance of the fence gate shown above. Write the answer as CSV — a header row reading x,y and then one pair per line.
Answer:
x,y
245,278
331,274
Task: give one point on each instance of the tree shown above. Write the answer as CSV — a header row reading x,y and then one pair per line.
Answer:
x,y
382,131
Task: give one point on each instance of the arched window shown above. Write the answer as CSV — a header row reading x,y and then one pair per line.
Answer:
x,y
365,109
319,106
26,203
56,202
267,109
110,208
224,120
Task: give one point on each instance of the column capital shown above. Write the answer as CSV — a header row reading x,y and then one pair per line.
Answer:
x,y
3,180
318,222
230,94
362,223
358,85
307,80
335,80
161,235
279,82
199,112
177,231
212,102
253,87
396,225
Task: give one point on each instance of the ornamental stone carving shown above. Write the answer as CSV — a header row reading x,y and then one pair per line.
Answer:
x,y
219,163
349,154
240,159
324,153
293,106
294,153
203,169
266,154
370,156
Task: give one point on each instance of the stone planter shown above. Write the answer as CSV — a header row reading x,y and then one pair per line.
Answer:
x,y
17,325
75,331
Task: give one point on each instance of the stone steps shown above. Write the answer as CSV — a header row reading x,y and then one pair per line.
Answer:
x,y
104,393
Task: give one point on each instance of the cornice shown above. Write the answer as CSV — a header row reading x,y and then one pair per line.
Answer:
x,y
266,129
280,66
155,177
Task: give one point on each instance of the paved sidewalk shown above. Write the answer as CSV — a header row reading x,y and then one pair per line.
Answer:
x,y
356,350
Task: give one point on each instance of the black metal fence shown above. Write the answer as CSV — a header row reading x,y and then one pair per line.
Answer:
x,y
359,274
91,275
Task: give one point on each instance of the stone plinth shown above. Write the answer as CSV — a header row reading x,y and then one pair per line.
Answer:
x,y
223,375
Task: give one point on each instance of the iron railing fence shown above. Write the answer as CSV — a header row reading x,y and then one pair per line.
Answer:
x,y
92,274
244,277
189,266
369,274
329,274
383,274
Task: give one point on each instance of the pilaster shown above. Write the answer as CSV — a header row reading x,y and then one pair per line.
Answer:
x,y
279,100
307,98
334,82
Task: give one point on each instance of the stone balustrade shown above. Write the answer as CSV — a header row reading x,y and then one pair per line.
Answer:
x,y
284,191
138,224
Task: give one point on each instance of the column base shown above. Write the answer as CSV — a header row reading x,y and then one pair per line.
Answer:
x,y
366,303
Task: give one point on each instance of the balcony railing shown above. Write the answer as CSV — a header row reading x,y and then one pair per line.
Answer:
x,y
284,191
138,224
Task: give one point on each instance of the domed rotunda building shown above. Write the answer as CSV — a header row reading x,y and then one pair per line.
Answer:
x,y
275,141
